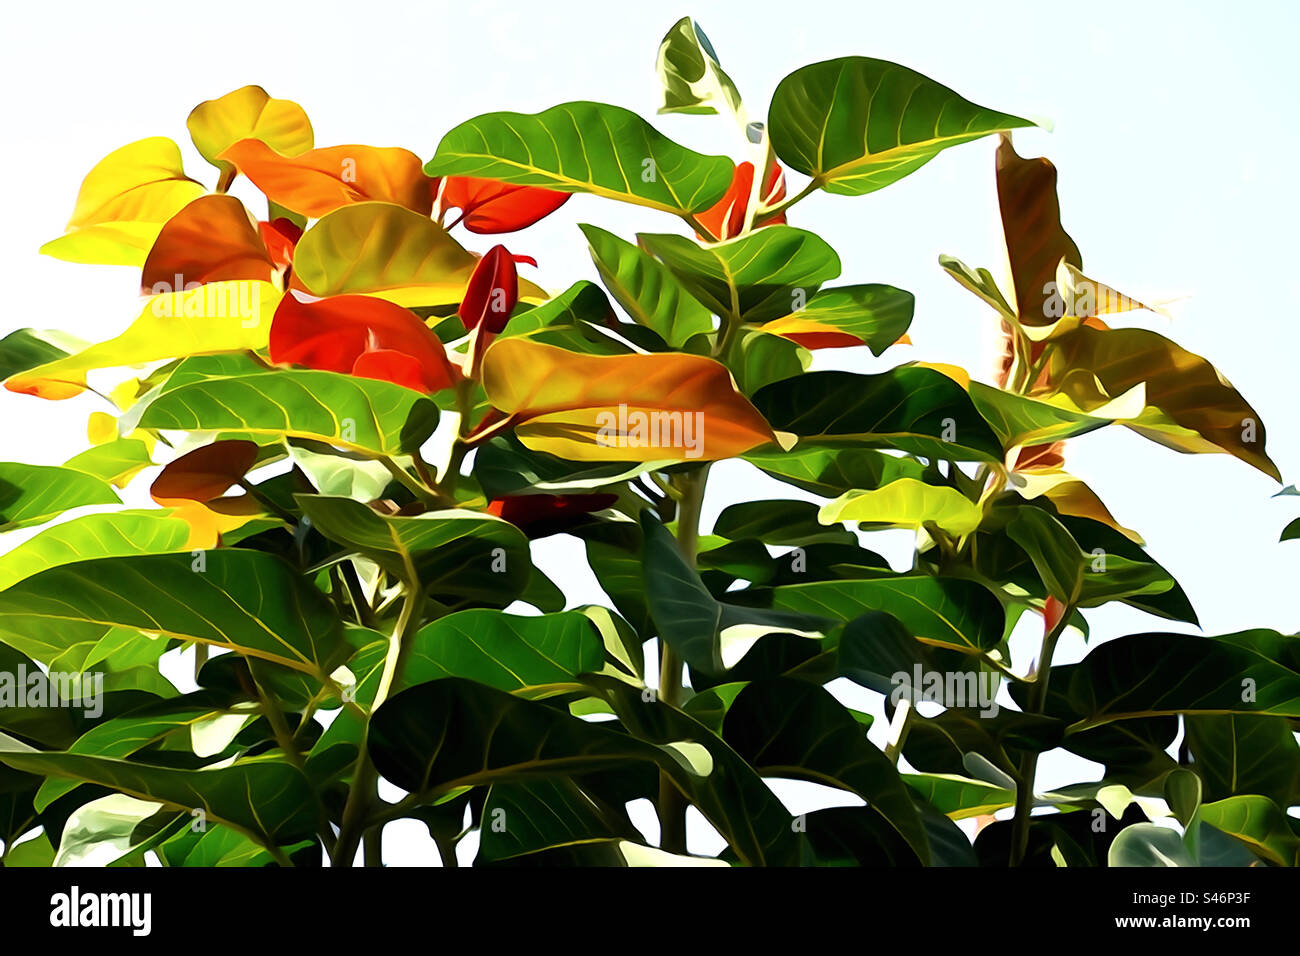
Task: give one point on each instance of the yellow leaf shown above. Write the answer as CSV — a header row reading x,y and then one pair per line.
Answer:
x,y
217,317
123,204
1070,496
101,427
248,113
660,407
380,249
209,521
1086,297
1190,406
907,503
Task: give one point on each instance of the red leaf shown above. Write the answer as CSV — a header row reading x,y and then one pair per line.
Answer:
x,y
204,473
488,206
824,340
333,334
281,238
542,515
389,365
492,293
726,218
1052,611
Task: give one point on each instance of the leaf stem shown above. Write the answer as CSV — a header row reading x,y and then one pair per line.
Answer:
x,y
1034,704
672,805
365,777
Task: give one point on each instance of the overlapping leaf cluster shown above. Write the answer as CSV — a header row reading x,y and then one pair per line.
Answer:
x,y
360,593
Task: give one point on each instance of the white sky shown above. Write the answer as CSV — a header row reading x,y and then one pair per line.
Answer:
x,y
1174,137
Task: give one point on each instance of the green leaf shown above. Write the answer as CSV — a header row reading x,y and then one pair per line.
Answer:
x,y
779,523
437,737
1236,753
1148,845
759,358
709,634
876,314
1020,420
755,277
125,736
523,818
30,494
581,303
981,282
958,797
856,124
114,461
271,802
1076,578
692,78
358,414
94,536
27,348
1181,675
455,555
916,410
584,148
789,728
645,289
906,503
1257,822
243,601
731,796
947,612
530,656
1291,532
831,471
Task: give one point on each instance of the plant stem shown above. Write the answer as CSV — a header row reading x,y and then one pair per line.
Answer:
x,y
672,805
361,796
1034,704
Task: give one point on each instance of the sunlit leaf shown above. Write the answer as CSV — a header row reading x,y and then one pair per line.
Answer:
x,y
620,408
217,317
584,148
856,124
319,181
248,113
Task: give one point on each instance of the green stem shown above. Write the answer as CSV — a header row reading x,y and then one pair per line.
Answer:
x,y
1034,704
672,805
365,778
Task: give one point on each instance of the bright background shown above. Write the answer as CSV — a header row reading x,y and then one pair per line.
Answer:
x,y
1174,136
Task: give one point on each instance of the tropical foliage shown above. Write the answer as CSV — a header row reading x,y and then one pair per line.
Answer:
x,y
358,421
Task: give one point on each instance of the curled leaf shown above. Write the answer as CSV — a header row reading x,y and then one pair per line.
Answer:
x,y
318,182
363,335
212,239
488,206
661,407
123,202
204,473
248,113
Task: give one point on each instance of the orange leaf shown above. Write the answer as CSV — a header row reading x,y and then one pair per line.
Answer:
x,y
660,407
725,219
204,473
210,240
321,180
488,206
281,238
